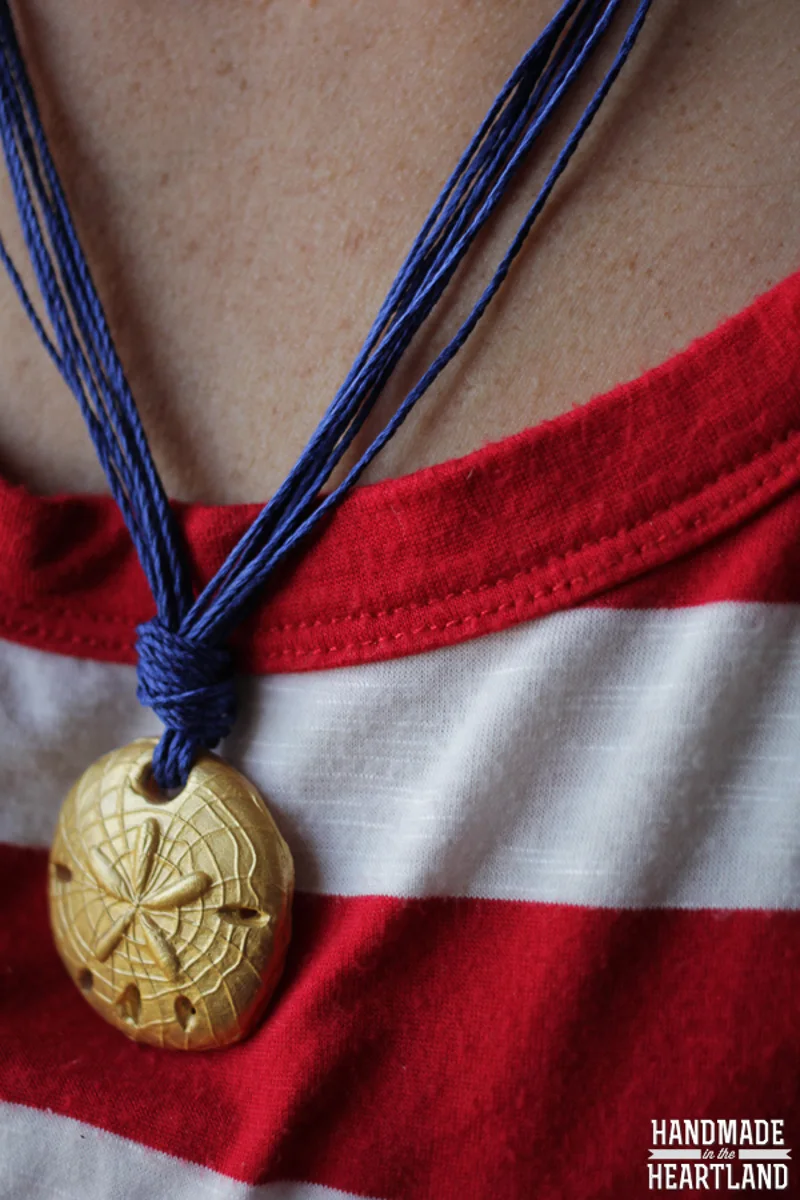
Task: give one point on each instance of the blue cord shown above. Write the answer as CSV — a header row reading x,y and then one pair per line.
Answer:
x,y
185,670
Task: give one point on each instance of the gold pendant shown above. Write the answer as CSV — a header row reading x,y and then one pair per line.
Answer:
x,y
171,915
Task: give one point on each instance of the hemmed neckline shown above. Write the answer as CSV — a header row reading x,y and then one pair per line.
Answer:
x,y
544,519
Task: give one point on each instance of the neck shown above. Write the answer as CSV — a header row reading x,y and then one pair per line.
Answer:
x,y
246,186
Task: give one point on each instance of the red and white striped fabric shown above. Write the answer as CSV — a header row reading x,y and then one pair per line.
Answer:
x,y
548,877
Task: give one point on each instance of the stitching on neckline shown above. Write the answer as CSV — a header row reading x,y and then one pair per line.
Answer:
x,y
260,635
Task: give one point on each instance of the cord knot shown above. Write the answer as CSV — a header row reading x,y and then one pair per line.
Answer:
x,y
190,686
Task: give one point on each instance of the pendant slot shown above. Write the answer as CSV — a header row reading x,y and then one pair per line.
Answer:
x,y
185,1012
130,1004
236,915
86,980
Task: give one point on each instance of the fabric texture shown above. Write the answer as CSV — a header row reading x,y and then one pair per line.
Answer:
x,y
548,886
550,518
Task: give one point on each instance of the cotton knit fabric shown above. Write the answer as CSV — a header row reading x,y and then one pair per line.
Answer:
x,y
530,722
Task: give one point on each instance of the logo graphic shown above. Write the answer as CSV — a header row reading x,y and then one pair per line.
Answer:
x,y
734,1156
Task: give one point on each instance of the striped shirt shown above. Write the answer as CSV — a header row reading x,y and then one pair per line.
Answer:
x,y
530,723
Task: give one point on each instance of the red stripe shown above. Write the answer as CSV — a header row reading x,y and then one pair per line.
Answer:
x,y
597,499
441,1048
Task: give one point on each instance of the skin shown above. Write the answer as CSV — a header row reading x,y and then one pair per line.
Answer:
x,y
246,178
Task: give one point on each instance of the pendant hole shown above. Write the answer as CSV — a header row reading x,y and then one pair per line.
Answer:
x,y
238,915
143,782
185,1012
62,873
129,1005
86,980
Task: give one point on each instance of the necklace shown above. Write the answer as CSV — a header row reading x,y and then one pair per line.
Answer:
x,y
170,884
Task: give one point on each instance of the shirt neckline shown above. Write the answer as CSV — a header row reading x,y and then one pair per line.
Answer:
x,y
542,520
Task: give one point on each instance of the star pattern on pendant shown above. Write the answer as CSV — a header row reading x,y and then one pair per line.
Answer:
x,y
142,898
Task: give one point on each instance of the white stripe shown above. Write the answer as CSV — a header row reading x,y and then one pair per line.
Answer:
x,y
592,757
47,1157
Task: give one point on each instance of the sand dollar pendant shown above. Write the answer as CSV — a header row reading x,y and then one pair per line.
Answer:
x,y
172,916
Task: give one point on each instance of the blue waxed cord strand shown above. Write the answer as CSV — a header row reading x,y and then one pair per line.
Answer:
x,y
205,626
185,671
246,576
139,493
265,565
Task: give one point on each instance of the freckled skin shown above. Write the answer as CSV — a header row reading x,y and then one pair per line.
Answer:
x,y
247,179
